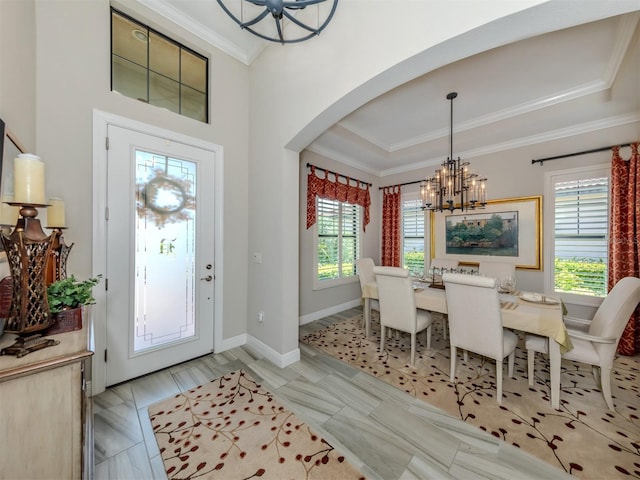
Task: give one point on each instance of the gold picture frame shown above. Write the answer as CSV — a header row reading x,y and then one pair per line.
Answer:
x,y
526,250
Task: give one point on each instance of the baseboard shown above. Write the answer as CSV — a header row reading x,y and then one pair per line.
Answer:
x,y
279,359
311,317
233,342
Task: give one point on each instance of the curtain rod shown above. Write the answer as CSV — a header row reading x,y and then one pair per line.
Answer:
x,y
542,160
338,174
401,184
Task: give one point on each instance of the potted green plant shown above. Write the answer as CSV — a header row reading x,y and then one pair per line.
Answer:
x,y
66,298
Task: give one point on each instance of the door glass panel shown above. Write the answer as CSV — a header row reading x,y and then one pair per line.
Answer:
x,y
165,250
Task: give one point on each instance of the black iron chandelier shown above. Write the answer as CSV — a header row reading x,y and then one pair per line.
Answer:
x,y
293,21
454,186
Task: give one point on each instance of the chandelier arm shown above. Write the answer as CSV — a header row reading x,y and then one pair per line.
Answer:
x,y
255,20
299,23
300,4
279,27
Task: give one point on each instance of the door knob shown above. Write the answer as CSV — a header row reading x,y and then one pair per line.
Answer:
x,y
208,278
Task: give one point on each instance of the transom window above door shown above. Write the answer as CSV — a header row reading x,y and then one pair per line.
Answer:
x,y
152,68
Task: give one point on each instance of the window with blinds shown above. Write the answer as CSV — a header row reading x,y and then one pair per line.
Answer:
x,y
413,235
338,239
580,236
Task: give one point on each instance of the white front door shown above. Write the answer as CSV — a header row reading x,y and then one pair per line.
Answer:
x,y
160,253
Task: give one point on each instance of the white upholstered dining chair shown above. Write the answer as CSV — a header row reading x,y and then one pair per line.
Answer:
x,y
398,306
475,322
449,265
597,347
497,270
364,266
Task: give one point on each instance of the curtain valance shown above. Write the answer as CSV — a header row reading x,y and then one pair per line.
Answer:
x,y
336,190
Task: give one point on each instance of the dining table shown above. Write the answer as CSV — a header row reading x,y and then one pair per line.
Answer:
x,y
544,318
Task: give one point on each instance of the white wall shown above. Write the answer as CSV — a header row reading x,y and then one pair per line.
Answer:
x,y
319,301
17,76
262,115
510,175
298,92
67,50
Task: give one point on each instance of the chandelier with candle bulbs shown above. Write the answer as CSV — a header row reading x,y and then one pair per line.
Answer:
x,y
454,186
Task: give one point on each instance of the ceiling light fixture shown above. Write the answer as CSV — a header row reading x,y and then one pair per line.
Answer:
x,y
139,35
301,25
453,186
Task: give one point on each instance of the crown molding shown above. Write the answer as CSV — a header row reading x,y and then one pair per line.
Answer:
x,y
558,134
203,32
623,41
342,158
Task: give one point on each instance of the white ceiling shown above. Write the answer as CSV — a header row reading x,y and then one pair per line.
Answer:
x,y
563,83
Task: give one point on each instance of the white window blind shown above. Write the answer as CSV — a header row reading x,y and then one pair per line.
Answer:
x,y
580,236
338,242
413,235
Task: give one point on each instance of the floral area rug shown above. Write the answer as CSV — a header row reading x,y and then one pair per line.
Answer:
x,y
232,428
584,438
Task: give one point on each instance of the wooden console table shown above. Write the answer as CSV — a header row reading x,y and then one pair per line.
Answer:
x,y
42,409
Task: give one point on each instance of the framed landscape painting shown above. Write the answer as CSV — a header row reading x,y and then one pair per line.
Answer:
x,y
507,230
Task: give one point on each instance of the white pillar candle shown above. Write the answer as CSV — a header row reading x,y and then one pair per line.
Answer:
x,y
8,214
28,179
55,213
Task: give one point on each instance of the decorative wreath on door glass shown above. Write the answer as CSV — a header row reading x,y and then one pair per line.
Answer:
x,y
164,199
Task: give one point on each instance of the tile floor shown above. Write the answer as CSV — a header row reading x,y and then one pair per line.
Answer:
x,y
383,431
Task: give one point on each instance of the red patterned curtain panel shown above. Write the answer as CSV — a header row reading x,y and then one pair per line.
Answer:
x,y
391,226
335,190
624,235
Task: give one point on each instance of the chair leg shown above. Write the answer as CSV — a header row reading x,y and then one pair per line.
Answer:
x,y
413,348
605,378
452,374
531,358
429,337
499,382
465,355
382,335
512,359
596,374
445,326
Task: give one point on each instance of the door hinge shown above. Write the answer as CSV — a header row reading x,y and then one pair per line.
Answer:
x,y
106,213
106,143
106,284
105,355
